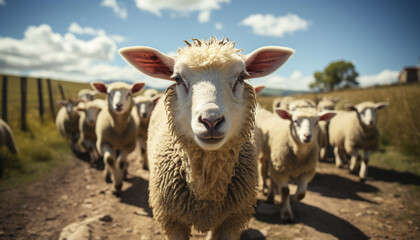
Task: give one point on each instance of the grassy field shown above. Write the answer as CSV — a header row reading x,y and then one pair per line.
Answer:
x,y
41,146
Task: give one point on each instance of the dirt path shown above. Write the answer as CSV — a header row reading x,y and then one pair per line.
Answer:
x,y
337,206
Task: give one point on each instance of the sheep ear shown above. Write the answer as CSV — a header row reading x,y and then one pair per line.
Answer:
x,y
101,87
266,60
284,114
350,107
258,89
156,98
326,116
61,102
381,105
149,61
137,87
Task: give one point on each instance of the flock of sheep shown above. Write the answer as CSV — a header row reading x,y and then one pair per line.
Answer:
x,y
207,140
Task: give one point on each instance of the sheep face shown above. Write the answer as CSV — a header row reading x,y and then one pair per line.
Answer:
x,y
91,112
70,106
367,112
119,95
210,99
145,106
209,93
304,122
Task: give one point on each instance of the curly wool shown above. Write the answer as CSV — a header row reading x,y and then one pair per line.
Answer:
x,y
204,188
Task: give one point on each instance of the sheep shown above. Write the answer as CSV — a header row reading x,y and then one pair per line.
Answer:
x,y
291,149
203,169
67,122
282,102
89,113
6,137
355,130
324,104
300,103
115,129
86,95
143,107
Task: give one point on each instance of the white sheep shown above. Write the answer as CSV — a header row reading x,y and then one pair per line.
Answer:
x,y
292,150
6,137
115,129
202,161
355,130
300,103
282,102
324,104
67,122
143,107
86,95
89,112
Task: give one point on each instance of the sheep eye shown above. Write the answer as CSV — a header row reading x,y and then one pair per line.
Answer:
x,y
178,79
239,80
296,122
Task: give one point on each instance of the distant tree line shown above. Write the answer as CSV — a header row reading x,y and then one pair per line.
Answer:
x,y
340,74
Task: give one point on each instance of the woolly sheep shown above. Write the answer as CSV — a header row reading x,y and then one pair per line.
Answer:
x,y
282,102
300,103
143,107
292,150
67,122
89,112
115,129
355,130
324,104
6,137
86,95
202,162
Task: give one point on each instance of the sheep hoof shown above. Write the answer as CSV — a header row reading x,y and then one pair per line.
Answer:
x,y
108,177
287,217
362,180
270,199
298,197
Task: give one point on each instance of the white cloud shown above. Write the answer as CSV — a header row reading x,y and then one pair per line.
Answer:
x,y
296,81
77,29
44,53
118,10
2,2
384,77
218,26
182,7
270,25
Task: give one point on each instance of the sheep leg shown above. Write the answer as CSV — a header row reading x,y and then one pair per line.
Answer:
x,y
338,160
109,159
303,181
229,229
286,214
363,173
272,187
118,171
322,153
177,231
143,153
263,169
354,161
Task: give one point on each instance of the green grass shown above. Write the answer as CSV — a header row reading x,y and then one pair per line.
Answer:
x,y
393,159
41,149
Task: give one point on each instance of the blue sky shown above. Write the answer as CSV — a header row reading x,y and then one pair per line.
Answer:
x,y
78,40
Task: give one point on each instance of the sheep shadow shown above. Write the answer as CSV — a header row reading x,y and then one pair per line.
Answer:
x,y
387,175
137,194
332,185
314,217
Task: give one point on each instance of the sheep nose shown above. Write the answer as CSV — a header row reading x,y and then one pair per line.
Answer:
x,y
211,124
307,136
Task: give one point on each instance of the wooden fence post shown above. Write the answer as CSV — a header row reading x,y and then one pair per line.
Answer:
x,y
51,100
61,91
4,99
40,99
23,86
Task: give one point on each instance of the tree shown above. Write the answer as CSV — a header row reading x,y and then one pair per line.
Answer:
x,y
340,74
